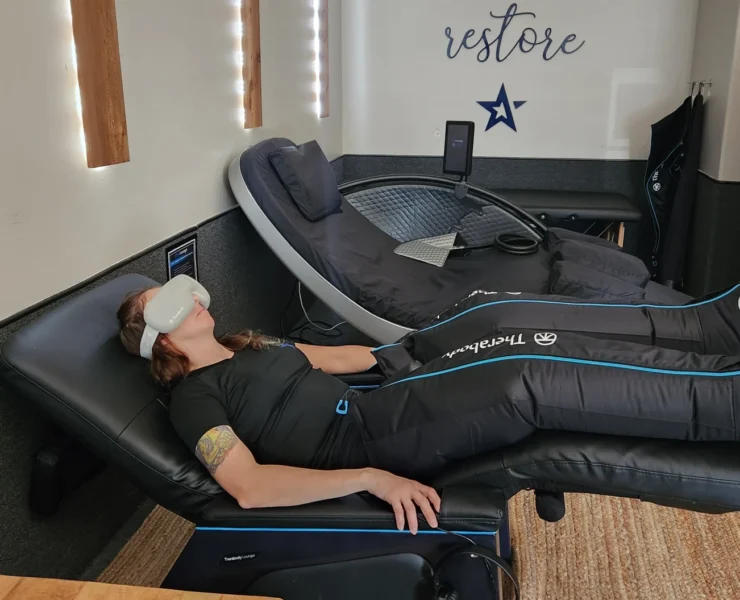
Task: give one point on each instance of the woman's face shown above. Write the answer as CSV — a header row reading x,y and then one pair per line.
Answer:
x,y
197,324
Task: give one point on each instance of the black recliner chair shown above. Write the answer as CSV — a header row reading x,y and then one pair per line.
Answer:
x,y
70,364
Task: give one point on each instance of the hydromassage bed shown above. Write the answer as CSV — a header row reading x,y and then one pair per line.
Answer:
x,y
343,250
70,364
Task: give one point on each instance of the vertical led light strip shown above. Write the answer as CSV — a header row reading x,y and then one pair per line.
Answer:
x,y
317,57
239,60
99,94
251,63
321,56
78,95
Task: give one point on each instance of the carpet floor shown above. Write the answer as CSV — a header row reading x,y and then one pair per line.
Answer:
x,y
604,549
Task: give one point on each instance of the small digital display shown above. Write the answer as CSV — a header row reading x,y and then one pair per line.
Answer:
x,y
458,158
182,259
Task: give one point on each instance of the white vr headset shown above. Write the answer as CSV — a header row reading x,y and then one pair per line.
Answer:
x,y
169,308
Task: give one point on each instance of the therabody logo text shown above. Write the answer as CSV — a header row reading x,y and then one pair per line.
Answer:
x,y
512,340
541,339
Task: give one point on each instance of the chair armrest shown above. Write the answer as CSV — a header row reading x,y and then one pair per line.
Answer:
x,y
464,508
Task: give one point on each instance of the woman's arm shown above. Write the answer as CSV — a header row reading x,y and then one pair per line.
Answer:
x,y
339,360
262,486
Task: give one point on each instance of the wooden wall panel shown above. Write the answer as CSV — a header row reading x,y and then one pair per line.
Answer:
x,y
252,69
324,57
101,84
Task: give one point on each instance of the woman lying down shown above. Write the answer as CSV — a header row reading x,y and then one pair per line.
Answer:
x,y
275,427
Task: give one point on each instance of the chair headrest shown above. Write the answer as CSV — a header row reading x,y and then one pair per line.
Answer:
x,y
72,365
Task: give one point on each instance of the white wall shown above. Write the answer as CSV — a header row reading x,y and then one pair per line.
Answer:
x,y
61,222
715,52
730,163
400,87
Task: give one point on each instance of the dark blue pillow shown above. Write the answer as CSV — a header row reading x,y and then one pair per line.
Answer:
x,y
309,179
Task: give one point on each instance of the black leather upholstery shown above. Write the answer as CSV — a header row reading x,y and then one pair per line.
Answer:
x,y
71,364
704,477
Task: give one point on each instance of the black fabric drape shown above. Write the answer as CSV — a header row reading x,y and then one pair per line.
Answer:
x,y
665,164
673,258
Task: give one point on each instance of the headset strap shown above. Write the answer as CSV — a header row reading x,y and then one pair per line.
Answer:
x,y
147,342
486,554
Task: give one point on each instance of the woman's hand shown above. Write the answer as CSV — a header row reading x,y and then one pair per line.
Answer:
x,y
264,486
404,496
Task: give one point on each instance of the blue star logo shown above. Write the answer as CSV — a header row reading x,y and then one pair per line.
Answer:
x,y
501,111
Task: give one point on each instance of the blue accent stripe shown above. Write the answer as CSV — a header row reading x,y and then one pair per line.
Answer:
x,y
561,303
579,361
320,530
177,261
364,387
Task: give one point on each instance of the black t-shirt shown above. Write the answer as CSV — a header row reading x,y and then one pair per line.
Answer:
x,y
285,411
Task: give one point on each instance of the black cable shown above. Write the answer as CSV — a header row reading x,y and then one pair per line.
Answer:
x,y
329,328
285,310
491,576
322,328
303,326
512,243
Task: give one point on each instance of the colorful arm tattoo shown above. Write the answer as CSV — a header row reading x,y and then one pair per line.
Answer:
x,y
214,447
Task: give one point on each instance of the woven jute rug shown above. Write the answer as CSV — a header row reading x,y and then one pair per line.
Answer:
x,y
149,555
604,549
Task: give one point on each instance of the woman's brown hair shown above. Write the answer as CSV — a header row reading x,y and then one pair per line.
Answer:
x,y
169,365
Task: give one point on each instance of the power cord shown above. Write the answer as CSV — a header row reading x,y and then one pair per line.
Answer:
x,y
491,576
317,327
285,310
305,314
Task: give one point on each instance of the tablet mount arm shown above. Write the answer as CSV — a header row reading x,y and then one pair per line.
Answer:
x,y
461,195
